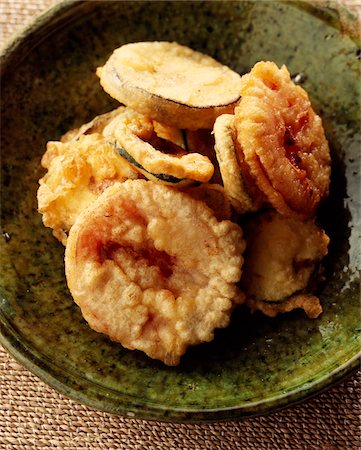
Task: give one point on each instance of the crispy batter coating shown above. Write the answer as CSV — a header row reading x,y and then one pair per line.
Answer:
x,y
154,269
241,190
171,83
135,133
78,172
157,265
282,141
202,141
281,257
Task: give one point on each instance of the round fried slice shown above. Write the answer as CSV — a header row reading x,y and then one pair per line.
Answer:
x,y
78,172
171,83
135,133
281,257
94,126
235,183
161,178
282,141
164,137
154,269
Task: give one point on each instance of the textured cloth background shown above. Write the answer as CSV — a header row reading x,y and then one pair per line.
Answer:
x,y
34,416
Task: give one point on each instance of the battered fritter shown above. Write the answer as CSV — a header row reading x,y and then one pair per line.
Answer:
x,y
153,268
282,141
78,172
282,256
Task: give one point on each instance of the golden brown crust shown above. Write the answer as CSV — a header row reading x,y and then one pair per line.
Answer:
x,y
153,268
158,265
170,83
134,133
78,172
281,256
202,141
233,178
282,141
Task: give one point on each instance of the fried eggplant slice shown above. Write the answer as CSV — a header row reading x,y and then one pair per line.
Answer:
x,y
135,134
282,141
282,257
240,188
153,268
171,83
78,172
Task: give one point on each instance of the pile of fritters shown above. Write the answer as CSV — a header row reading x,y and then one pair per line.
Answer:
x,y
150,199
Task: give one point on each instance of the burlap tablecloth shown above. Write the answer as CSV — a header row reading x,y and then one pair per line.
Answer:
x,y
34,416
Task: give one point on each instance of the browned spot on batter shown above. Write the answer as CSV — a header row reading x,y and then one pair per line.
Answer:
x,y
293,152
271,85
289,139
150,256
160,259
133,212
88,247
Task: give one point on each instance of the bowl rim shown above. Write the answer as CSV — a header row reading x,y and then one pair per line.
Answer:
x,y
9,338
349,21
157,412
39,20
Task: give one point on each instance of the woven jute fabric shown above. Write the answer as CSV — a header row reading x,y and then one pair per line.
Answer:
x,y
34,416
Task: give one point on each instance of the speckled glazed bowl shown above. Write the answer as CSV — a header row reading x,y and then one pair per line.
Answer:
x,y
257,364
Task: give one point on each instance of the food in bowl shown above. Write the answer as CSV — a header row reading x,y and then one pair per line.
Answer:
x,y
154,269
171,83
152,214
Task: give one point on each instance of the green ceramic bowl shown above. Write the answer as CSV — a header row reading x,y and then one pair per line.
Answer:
x,y
257,364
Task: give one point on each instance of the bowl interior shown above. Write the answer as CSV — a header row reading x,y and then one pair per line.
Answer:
x,y
257,363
